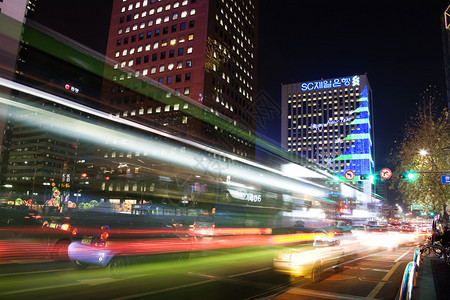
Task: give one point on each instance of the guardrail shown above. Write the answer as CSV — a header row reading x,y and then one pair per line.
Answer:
x,y
410,275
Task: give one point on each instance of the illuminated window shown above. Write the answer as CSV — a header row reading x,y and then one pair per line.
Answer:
x,y
187,90
161,68
175,16
192,12
151,11
120,31
166,19
179,65
185,2
144,14
170,67
127,29
147,47
188,63
145,72
176,4
153,70
139,49
158,21
163,43
142,25
136,16
117,54
185,120
158,109
167,108
155,45
159,9
189,50
184,14
173,41
176,107
131,51
190,37
182,39
150,23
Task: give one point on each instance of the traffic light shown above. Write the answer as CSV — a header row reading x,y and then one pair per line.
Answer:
x,y
364,177
83,175
411,175
367,177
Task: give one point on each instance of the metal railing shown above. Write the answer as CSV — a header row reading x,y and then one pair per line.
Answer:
x,y
410,275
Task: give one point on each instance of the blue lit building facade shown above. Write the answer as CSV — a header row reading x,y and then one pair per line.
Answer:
x,y
328,122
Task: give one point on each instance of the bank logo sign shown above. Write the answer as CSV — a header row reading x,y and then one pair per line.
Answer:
x,y
331,83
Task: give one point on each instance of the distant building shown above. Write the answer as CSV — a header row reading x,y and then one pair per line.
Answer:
x,y
328,122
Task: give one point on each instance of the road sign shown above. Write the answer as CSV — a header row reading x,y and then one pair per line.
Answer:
x,y
445,178
385,173
349,175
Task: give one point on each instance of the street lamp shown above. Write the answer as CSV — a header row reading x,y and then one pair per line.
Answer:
x,y
423,152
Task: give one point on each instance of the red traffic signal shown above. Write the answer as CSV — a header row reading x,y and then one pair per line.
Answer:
x,y
83,175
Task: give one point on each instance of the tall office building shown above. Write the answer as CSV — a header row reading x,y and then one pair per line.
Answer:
x,y
202,50
328,122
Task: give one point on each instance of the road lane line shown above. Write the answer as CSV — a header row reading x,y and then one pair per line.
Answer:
x,y
386,277
321,294
403,255
165,290
249,272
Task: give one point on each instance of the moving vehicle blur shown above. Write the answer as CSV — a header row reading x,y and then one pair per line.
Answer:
x,y
115,240
311,261
24,235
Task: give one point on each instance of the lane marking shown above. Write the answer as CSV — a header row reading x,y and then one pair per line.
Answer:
x,y
403,255
249,272
386,277
165,290
322,295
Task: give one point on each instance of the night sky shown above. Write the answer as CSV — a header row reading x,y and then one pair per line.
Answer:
x,y
398,44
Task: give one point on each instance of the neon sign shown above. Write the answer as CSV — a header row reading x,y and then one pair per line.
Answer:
x,y
320,127
331,83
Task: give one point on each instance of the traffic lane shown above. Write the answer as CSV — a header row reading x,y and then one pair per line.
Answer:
x,y
221,276
376,275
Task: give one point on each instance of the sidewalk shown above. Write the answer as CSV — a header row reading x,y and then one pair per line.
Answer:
x,y
433,281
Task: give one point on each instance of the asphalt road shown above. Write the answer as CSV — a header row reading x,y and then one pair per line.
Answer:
x,y
227,274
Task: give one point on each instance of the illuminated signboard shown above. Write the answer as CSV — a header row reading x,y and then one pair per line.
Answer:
x,y
319,127
331,83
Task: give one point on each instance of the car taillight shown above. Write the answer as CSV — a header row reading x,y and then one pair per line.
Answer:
x,y
65,226
104,236
74,231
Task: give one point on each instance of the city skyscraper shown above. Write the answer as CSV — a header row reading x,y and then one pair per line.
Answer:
x,y
201,50
328,122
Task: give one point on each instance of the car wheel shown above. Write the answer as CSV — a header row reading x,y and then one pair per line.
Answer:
x,y
117,266
60,251
340,265
316,271
79,265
